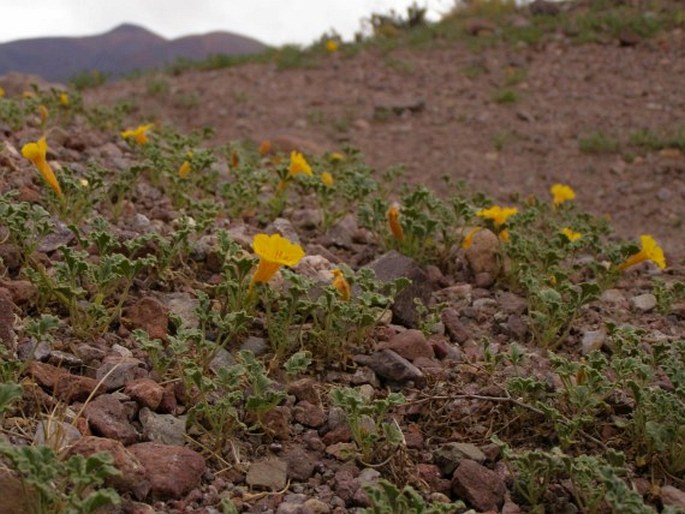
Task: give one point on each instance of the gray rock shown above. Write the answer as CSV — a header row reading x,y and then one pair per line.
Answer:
x,y
301,464
448,456
116,372
55,434
511,303
454,327
643,302
256,345
482,488
592,340
286,229
183,305
309,415
614,297
268,474
391,366
64,359
393,265
483,255
163,428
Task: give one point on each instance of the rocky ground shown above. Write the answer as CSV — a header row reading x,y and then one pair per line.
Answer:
x,y
507,120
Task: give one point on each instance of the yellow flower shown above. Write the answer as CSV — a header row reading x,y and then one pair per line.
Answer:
x,y
43,113
336,156
327,179
342,285
28,94
650,251
298,164
139,133
83,182
2,92
571,234
332,45
504,235
184,169
36,153
264,147
64,100
273,252
561,193
393,215
468,239
497,214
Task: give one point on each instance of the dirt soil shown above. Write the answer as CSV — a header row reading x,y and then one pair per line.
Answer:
x,y
434,111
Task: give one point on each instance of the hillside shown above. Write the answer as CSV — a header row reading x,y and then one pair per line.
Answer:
x,y
243,284
122,50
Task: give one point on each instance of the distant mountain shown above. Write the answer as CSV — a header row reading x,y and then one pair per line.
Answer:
x,y
122,50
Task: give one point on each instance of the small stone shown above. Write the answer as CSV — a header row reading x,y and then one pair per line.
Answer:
x,y
107,417
21,291
150,315
163,428
184,306
305,389
309,415
393,265
270,474
614,297
64,359
341,451
317,506
301,464
115,371
483,254
673,497
76,388
173,471
448,456
133,478
481,487
55,434
391,366
643,302
511,303
445,350
410,344
454,327
256,345
592,340
277,422
431,474
146,392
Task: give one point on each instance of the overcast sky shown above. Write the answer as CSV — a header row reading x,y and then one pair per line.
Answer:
x,y
274,22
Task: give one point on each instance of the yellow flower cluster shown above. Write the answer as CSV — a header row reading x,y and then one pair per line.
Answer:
x,y
139,134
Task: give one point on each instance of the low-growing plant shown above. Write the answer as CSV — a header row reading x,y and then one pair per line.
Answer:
x,y
387,498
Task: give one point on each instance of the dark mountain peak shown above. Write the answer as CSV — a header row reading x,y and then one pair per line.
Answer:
x,y
131,29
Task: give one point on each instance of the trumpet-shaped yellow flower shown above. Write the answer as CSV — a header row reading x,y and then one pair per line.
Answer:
x,y
264,147
561,193
64,100
571,234
139,133
650,251
37,154
184,169
43,113
298,164
504,235
468,238
497,214
342,285
273,251
327,179
332,45
2,92
393,216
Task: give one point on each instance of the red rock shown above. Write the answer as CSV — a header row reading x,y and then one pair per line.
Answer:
x,y
108,417
304,389
454,327
309,415
133,478
410,344
146,392
277,422
22,291
173,471
76,388
481,487
150,315
168,404
430,474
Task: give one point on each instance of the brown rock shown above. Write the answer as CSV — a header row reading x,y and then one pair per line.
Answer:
x,y
133,478
76,388
7,336
430,474
108,417
301,464
150,315
304,389
410,344
478,485
393,265
146,392
22,291
16,499
391,366
169,404
277,422
270,474
309,415
483,254
172,470
445,350
673,497
116,371
454,327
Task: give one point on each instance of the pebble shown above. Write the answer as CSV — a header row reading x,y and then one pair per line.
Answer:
x,y
643,302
